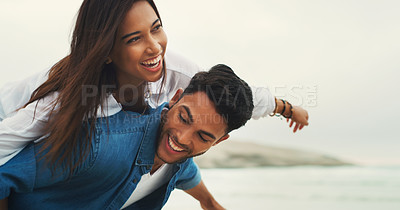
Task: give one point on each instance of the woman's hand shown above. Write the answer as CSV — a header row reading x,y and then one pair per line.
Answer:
x,y
300,117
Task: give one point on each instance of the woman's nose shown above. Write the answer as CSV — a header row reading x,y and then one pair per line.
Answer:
x,y
154,47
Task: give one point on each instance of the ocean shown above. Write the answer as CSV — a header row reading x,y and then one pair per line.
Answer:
x,y
299,188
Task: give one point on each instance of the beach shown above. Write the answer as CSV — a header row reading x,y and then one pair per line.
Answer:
x,y
299,188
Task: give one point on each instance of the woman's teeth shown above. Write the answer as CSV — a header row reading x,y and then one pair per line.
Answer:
x,y
173,145
153,62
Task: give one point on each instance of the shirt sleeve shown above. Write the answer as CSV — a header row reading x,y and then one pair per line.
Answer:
x,y
25,126
27,171
19,174
16,94
190,176
264,102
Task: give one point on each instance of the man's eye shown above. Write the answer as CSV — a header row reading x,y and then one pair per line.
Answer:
x,y
203,139
183,119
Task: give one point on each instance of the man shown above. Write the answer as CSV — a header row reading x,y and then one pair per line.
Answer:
x,y
137,160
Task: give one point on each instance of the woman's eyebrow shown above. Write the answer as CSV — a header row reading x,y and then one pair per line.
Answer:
x,y
130,34
155,22
136,32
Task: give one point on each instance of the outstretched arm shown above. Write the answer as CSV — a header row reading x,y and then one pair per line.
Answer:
x,y
205,198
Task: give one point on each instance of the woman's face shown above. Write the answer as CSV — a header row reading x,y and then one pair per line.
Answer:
x,y
139,46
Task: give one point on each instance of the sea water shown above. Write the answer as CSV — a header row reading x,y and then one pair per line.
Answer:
x,y
299,188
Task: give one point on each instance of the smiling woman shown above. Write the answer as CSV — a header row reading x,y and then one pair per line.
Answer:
x,y
117,48
139,46
99,56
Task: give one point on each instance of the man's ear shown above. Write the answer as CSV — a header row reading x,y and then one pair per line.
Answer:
x,y
221,139
176,97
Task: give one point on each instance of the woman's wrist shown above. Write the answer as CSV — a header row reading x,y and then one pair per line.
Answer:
x,y
288,113
279,106
283,108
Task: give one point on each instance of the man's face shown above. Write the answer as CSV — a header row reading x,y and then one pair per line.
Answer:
x,y
190,128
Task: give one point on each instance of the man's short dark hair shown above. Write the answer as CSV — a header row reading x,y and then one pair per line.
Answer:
x,y
231,95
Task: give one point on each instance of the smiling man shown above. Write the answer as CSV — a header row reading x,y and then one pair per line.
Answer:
x,y
214,103
137,160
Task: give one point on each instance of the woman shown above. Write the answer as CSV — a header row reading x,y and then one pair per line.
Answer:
x,y
104,51
117,61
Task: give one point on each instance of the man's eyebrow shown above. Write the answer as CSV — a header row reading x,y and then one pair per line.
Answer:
x,y
191,121
188,113
136,32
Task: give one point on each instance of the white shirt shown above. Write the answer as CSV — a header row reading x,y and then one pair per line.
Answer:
x,y
19,127
149,183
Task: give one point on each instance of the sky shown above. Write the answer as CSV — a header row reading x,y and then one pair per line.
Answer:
x,y
338,59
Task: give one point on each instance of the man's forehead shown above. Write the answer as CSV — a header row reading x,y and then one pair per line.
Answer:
x,y
202,109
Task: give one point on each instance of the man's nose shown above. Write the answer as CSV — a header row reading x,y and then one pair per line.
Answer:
x,y
185,138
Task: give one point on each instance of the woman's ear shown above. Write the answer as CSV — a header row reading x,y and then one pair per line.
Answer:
x,y
176,97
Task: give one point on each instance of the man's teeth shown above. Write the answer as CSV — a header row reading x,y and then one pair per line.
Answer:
x,y
174,146
152,61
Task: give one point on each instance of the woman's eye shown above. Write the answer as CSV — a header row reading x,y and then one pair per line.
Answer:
x,y
157,28
134,39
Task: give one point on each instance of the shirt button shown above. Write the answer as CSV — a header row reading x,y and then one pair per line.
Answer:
x,y
135,181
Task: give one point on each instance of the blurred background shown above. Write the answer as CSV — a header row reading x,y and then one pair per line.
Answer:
x,y
337,59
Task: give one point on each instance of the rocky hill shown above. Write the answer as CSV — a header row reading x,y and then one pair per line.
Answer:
x,y
236,154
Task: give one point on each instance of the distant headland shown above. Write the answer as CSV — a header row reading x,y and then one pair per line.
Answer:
x,y
238,154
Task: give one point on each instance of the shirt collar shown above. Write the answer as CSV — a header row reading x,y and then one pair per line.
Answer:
x,y
150,137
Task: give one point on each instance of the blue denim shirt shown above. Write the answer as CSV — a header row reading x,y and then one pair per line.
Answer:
x,y
123,149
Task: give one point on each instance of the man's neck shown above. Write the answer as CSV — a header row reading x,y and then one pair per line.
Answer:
x,y
157,164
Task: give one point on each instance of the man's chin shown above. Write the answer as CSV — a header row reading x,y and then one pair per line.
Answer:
x,y
171,161
178,161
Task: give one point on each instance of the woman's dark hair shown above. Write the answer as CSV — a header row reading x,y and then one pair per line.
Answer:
x,y
92,40
231,95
